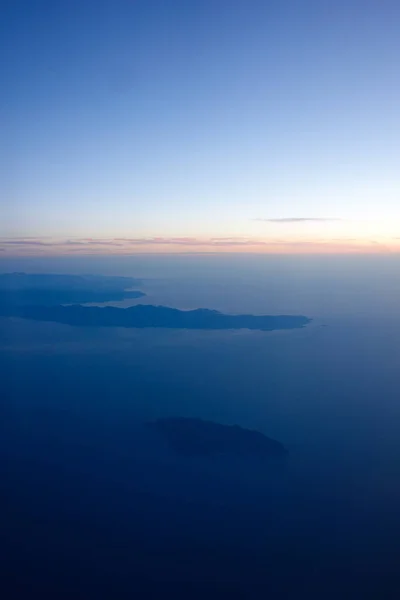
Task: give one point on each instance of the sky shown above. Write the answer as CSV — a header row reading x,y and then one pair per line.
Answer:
x,y
196,126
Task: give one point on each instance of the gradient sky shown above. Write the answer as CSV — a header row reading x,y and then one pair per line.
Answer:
x,y
181,125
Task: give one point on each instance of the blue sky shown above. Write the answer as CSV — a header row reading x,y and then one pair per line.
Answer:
x,y
200,120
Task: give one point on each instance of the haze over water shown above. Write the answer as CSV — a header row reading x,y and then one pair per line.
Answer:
x,y
76,401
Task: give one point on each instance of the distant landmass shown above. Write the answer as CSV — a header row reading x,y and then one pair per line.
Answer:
x,y
195,437
43,298
143,315
22,289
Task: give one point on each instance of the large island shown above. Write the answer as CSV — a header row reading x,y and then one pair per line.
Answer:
x,y
65,298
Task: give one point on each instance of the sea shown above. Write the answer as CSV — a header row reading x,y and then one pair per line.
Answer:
x,y
93,504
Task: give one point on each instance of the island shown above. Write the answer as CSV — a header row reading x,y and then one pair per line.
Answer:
x,y
196,437
25,289
65,298
146,315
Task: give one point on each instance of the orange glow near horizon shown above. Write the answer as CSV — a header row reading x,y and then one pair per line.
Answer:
x,y
189,245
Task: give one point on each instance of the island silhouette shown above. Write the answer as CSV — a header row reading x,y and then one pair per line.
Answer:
x,y
59,299
197,437
146,315
25,289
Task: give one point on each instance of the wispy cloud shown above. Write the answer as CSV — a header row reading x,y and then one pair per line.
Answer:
x,y
89,242
136,245
185,241
25,242
127,245
28,241
299,220
190,241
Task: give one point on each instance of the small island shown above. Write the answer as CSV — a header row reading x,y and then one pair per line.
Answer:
x,y
196,437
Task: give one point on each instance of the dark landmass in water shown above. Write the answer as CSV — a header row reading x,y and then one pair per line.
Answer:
x,y
142,315
41,298
195,437
22,289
